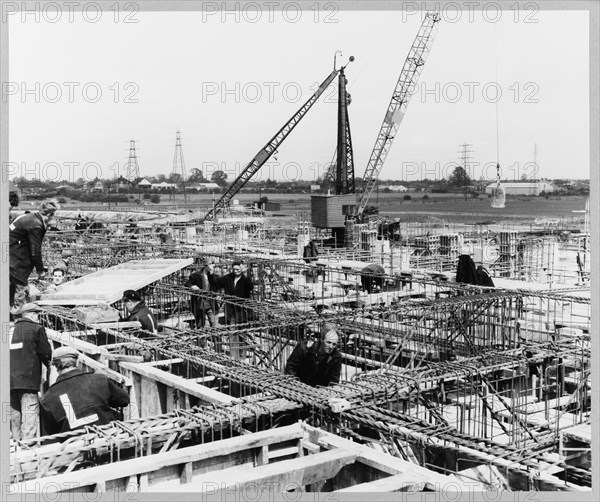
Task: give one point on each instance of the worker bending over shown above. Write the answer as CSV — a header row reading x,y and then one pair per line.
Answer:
x,y
138,310
78,398
316,362
26,233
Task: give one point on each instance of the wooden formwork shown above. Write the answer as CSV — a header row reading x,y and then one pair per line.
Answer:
x,y
291,459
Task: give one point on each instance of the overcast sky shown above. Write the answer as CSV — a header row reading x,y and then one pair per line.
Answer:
x,y
80,90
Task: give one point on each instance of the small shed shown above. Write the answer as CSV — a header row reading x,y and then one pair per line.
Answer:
x,y
329,211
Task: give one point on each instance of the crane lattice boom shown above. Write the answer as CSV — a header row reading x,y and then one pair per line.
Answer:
x,y
397,108
271,147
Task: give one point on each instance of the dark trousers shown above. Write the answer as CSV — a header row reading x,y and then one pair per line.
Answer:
x,y
201,311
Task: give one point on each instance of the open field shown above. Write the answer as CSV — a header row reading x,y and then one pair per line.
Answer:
x,y
449,207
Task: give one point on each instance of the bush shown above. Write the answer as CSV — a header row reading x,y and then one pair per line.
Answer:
x,y
407,197
62,200
155,198
146,196
425,197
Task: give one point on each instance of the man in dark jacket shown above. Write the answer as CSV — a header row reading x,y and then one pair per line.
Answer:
x,y
29,349
202,307
138,311
78,398
26,233
233,284
316,363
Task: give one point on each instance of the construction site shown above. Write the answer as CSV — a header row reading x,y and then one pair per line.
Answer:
x,y
446,385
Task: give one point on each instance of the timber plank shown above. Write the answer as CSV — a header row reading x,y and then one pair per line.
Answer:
x,y
397,483
377,460
143,465
292,474
189,387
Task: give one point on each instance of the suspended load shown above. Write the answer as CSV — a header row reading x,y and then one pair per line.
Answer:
x,y
498,193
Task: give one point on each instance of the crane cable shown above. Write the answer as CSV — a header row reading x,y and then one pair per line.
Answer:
x,y
498,193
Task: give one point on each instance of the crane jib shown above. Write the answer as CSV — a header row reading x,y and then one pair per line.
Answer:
x,y
264,153
395,113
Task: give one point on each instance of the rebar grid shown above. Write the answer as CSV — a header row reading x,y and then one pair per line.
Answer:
x,y
427,393
414,434
120,440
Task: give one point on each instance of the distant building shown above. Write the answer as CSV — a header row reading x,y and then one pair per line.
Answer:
x,y
315,188
394,188
121,183
201,187
163,186
144,184
523,188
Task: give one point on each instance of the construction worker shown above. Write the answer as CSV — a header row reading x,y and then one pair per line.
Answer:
x,y
13,200
138,311
78,398
26,233
233,284
316,362
202,307
29,349
58,277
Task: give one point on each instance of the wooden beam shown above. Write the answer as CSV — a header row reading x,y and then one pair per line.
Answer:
x,y
380,461
284,475
123,357
164,362
101,368
143,465
180,383
399,483
69,339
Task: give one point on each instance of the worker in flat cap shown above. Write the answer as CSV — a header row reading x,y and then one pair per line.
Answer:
x,y
78,398
29,349
138,310
26,233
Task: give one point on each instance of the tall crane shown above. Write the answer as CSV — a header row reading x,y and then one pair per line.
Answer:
x,y
271,147
409,76
344,165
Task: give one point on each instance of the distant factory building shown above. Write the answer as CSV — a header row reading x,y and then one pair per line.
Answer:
x,y
524,188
